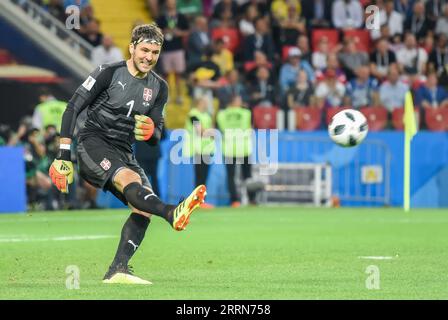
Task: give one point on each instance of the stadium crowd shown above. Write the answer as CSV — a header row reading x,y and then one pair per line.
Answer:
x,y
288,56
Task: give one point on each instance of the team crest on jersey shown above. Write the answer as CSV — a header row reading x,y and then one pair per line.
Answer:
x,y
147,94
105,164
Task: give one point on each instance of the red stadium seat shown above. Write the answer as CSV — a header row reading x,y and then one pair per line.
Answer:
x,y
308,119
332,111
362,38
397,118
376,117
265,117
331,34
285,51
231,37
436,119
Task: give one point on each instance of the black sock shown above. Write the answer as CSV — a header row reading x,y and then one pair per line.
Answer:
x,y
132,235
145,200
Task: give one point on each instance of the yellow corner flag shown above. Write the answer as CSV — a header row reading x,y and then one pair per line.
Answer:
x,y
410,130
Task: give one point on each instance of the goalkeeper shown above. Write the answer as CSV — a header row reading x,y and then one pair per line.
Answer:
x,y
124,102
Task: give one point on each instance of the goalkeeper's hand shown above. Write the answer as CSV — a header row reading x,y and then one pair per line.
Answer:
x,y
144,127
61,173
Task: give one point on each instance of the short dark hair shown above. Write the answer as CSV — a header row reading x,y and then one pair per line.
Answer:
x,y
150,33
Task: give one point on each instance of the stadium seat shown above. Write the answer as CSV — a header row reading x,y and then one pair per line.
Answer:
x,y
397,118
266,117
376,117
231,37
362,38
332,111
308,119
331,34
436,119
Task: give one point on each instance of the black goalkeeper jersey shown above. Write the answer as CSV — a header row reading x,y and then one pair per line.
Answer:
x,y
112,97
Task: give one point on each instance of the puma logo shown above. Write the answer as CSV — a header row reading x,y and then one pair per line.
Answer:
x,y
101,67
121,84
133,244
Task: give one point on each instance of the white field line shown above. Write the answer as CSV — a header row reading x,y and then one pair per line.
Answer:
x,y
60,238
377,257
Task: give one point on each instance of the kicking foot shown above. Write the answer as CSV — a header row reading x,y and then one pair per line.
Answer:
x,y
123,275
181,214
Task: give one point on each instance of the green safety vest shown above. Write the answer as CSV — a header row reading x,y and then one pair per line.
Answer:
x,y
193,143
52,112
235,124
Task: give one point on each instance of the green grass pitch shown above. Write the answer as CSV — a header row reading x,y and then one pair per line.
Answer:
x,y
247,253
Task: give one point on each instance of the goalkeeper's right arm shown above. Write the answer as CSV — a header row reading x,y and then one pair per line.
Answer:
x,y
61,170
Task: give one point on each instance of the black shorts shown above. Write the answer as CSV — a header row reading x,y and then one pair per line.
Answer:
x,y
99,162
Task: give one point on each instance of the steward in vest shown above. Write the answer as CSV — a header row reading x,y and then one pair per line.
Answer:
x,y
235,123
198,144
48,112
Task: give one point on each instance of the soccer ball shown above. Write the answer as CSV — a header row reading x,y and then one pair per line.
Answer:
x,y
348,128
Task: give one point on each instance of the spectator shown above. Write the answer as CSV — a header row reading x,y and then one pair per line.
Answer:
x,y
412,60
392,19
330,91
230,87
80,3
381,59
431,95
434,9
363,90
442,22
56,9
317,13
106,53
92,34
404,7
393,91
320,56
264,92
347,14
190,8
251,67
303,44
261,40
438,58
351,58
280,8
225,5
332,64
246,24
291,27
300,95
49,111
261,5
289,70
175,27
418,24
198,41
222,56
204,79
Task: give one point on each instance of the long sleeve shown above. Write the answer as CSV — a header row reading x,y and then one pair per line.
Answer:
x,y
156,114
87,92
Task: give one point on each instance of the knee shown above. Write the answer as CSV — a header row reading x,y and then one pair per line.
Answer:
x,y
125,177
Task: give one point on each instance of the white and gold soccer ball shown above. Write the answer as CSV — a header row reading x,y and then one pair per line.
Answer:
x,y
348,128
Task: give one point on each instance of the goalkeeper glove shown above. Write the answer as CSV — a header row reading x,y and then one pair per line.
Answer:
x,y
61,171
144,127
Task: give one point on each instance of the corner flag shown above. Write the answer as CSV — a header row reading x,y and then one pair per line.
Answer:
x,y
410,130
